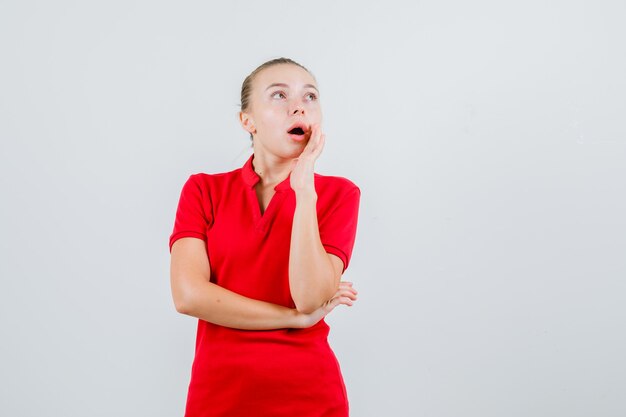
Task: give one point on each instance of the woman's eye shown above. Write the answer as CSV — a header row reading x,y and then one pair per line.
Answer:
x,y
278,92
313,96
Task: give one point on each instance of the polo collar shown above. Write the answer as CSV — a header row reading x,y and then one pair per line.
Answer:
x,y
250,177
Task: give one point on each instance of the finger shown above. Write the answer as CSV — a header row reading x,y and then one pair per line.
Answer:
x,y
341,300
315,131
321,138
320,145
335,301
347,301
346,293
346,285
350,294
315,137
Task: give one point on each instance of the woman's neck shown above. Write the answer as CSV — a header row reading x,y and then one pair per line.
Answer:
x,y
271,169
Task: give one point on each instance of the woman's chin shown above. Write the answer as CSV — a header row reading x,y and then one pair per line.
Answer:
x,y
286,148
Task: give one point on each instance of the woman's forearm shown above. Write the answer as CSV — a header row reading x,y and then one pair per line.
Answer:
x,y
218,305
195,295
312,278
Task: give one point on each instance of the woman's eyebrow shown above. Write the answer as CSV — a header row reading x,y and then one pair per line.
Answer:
x,y
286,86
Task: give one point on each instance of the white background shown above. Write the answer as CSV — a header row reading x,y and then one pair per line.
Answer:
x,y
488,140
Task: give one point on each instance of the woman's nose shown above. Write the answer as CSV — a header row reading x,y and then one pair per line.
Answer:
x,y
297,110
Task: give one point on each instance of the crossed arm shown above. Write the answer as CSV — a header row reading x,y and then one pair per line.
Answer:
x,y
196,296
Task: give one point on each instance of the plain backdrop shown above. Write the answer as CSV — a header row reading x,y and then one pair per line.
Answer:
x,y
488,140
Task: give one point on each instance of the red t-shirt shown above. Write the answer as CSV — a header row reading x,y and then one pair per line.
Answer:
x,y
283,372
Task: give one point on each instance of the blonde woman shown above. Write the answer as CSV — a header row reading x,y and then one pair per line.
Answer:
x,y
257,255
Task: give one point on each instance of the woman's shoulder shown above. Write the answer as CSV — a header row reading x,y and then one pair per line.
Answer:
x,y
206,178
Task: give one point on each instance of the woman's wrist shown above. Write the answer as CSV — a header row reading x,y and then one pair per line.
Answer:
x,y
297,320
306,320
306,195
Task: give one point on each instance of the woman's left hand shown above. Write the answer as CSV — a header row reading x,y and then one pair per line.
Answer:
x,y
301,178
345,294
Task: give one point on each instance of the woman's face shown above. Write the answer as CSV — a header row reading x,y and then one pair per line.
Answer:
x,y
282,95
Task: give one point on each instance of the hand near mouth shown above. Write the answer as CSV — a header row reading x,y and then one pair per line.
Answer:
x,y
301,178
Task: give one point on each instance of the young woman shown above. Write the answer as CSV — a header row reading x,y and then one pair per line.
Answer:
x,y
257,255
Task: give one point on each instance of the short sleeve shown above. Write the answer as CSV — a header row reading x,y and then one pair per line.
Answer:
x,y
338,228
194,212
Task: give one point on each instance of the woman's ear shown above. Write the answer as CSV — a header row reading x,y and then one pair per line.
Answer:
x,y
246,122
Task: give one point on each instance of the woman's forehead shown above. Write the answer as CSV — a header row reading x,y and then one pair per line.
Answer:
x,y
286,75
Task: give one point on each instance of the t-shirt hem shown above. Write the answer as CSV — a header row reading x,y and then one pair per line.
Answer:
x,y
339,253
179,235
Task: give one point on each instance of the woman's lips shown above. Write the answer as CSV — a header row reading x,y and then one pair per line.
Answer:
x,y
296,128
298,138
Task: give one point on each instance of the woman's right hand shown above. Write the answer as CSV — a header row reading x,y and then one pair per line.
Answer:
x,y
345,295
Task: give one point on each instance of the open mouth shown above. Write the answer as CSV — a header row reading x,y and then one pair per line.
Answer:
x,y
299,131
296,131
